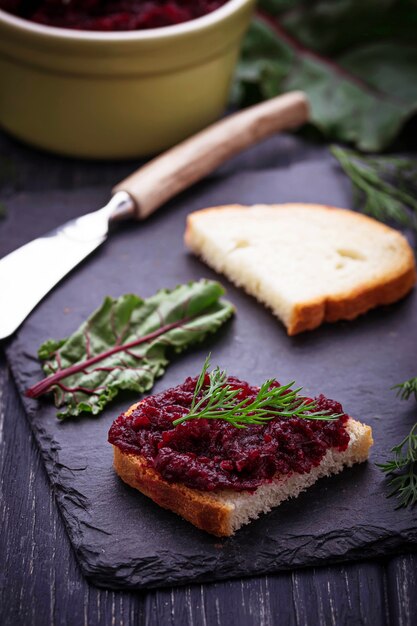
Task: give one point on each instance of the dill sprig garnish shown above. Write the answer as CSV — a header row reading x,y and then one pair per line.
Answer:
x,y
385,186
407,389
219,401
403,469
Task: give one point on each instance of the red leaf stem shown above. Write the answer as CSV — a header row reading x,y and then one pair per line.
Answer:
x,y
44,385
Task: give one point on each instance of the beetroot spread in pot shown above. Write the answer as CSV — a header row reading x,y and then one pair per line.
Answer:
x,y
213,454
110,15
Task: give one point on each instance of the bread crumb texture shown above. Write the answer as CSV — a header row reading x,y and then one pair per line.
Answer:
x,y
308,263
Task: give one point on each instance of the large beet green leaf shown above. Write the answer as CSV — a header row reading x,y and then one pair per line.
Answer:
x,y
357,62
125,345
331,27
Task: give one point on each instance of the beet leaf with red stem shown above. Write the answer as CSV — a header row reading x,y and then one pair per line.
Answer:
x,y
125,345
356,61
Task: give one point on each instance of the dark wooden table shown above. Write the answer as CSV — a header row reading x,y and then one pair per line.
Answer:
x,y
41,583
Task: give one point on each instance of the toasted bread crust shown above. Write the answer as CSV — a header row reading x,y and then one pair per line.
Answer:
x,y
204,509
198,507
195,506
344,306
310,315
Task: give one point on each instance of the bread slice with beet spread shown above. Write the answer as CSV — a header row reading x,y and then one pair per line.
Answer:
x,y
309,263
228,496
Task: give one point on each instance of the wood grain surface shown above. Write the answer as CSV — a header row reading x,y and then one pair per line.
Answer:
x,y
40,580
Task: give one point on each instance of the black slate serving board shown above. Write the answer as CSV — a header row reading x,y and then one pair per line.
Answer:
x,y
121,538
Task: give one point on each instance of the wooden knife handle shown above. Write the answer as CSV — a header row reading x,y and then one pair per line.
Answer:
x,y
178,168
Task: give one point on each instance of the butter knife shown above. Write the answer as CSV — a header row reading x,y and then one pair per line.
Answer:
x,y
30,272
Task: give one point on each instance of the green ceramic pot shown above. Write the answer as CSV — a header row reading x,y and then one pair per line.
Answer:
x,y
120,94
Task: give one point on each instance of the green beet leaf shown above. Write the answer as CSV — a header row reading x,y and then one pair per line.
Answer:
x,y
357,63
125,345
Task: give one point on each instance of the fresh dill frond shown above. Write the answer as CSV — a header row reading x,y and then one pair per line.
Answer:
x,y
385,187
402,468
407,389
214,398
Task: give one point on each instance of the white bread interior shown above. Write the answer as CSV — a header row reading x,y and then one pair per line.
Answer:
x,y
308,263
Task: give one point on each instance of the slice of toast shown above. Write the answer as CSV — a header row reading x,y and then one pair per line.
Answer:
x,y
309,263
222,513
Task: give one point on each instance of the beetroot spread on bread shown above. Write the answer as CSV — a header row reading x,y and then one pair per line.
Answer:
x,y
212,455
110,15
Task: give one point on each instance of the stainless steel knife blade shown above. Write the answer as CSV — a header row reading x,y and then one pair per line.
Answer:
x,y
29,273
